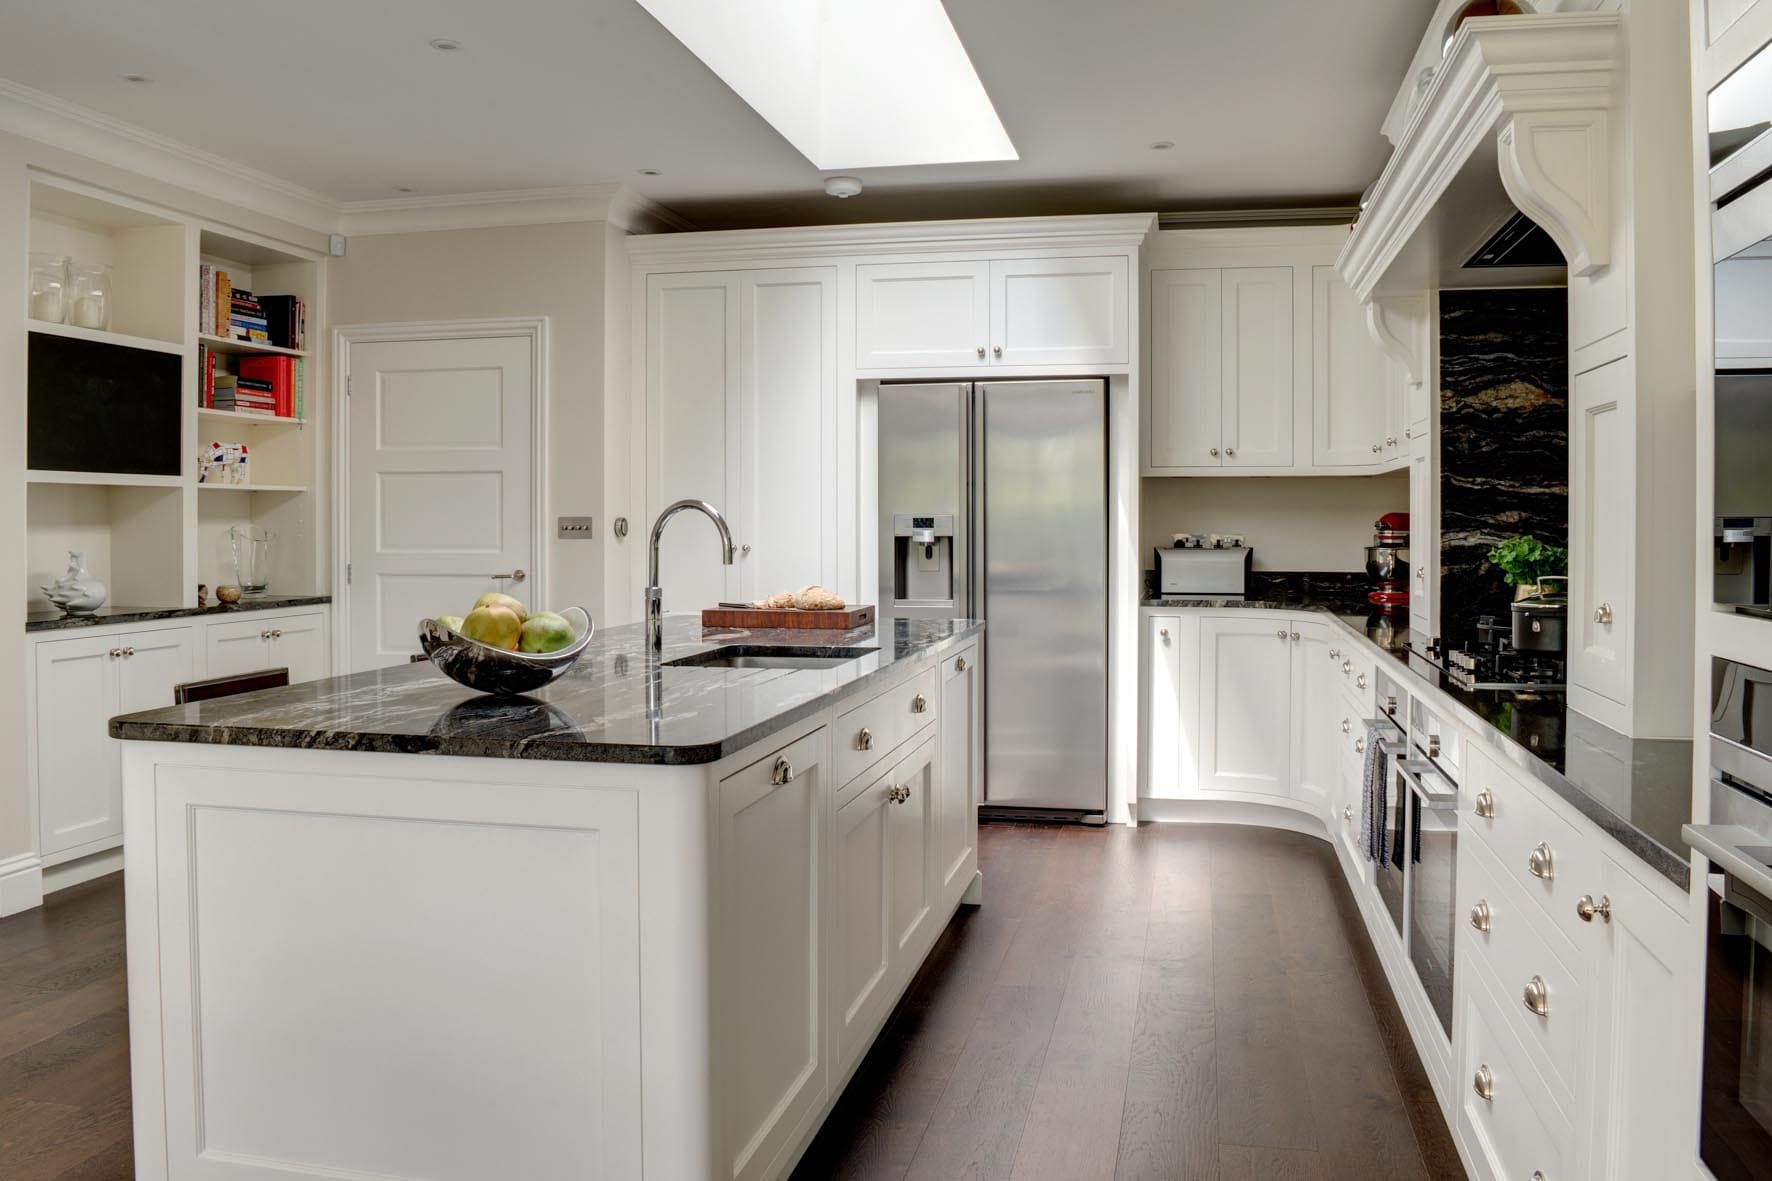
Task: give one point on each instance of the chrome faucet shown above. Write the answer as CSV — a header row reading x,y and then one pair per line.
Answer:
x,y
655,596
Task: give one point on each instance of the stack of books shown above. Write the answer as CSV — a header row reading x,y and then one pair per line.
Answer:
x,y
234,313
275,387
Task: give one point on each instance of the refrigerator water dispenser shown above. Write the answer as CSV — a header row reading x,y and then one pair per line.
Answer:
x,y
922,559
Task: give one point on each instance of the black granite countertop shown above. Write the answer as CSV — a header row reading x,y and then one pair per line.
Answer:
x,y
45,621
616,705
1637,790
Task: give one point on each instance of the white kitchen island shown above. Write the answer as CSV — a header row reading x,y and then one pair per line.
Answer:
x,y
643,924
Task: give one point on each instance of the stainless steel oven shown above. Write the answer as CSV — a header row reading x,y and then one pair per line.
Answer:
x,y
1390,728
1735,1138
1432,879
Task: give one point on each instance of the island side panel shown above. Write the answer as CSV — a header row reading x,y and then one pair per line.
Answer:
x,y
328,937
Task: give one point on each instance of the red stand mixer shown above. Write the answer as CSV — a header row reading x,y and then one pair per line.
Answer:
x,y
1387,563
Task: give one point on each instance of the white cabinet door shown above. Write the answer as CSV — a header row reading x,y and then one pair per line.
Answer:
x,y
861,941
299,643
1245,703
922,315
961,767
1602,529
692,427
1187,390
1257,361
1643,951
153,664
772,1052
78,774
1424,537
1315,718
1350,386
910,853
1059,311
237,646
785,517
1162,744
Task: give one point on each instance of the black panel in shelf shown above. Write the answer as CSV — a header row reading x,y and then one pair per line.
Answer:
x,y
96,407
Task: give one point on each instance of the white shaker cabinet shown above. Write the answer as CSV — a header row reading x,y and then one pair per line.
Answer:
x,y
81,683
1059,311
257,641
962,768
1187,400
1602,531
1316,706
1353,397
1424,535
1245,701
861,953
922,314
1257,367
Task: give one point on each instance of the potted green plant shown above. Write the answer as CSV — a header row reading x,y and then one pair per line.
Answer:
x,y
1524,561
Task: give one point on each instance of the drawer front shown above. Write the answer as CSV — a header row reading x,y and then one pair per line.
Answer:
x,y
1518,1130
1520,947
1352,669
1524,825
872,730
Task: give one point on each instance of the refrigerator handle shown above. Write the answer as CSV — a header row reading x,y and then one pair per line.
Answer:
x,y
975,556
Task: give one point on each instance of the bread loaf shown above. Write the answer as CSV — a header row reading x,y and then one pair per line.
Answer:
x,y
818,598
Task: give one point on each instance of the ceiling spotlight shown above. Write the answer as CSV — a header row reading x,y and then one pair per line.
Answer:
x,y
842,186
648,172
402,188
444,44
138,79
1162,145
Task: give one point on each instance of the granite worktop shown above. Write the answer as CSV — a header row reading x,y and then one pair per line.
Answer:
x,y
1636,790
618,704
45,621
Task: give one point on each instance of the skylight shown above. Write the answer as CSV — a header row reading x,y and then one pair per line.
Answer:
x,y
850,83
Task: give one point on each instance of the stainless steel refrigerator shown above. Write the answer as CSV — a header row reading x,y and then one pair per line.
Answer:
x,y
993,504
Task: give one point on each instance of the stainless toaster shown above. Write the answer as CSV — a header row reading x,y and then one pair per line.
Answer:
x,y
1204,572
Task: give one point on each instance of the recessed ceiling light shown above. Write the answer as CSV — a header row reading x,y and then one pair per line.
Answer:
x,y
402,188
842,186
648,172
135,78
444,44
1162,145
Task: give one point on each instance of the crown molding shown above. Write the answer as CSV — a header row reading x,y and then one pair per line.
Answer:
x,y
613,203
1538,89
32,114
1086,232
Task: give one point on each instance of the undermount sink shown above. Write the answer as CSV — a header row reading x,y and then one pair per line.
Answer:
x,y
769,656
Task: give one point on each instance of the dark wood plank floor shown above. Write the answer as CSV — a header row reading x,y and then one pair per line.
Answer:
x,y
1171,1002
1168,1002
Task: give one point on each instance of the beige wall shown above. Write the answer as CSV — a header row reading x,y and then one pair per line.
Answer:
x,y
1294,523
555,271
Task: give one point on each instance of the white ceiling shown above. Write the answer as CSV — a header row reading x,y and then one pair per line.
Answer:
x,y
1268,102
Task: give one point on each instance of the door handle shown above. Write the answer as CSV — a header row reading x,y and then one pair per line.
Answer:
x,y
513,576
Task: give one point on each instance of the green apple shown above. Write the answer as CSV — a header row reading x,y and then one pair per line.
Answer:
x,y
545,632
498,627
449,622
494,599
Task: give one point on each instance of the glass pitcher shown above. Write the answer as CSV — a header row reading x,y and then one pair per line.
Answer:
x,y
252,557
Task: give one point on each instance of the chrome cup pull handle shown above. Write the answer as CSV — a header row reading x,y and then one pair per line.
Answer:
x,y
1537,996
1480,916
783,772
1484,1083
1539,862
1486,804
865,739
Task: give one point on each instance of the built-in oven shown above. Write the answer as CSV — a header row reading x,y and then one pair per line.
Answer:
x,y
1735,1138
1432,877
1389,810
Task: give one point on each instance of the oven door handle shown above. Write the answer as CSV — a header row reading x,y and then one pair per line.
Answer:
x,y
1384,728
1415,772
1747,879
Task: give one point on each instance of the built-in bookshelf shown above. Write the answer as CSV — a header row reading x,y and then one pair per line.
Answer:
x,y
152,538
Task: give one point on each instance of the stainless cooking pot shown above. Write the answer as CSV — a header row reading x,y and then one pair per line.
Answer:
x,y
1541,622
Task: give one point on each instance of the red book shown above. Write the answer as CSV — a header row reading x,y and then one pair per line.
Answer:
x,y
280,373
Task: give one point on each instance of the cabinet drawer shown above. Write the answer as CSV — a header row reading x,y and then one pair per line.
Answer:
x,y
1518,1129
1519,946
1352,669
872,730
1521,824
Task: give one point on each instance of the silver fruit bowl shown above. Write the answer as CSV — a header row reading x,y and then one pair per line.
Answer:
x,y
500,670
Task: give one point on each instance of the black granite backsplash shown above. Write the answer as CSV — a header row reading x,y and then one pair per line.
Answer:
x,y
1504,439
1335,590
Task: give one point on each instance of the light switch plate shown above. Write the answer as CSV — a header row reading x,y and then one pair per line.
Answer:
x,y
574,529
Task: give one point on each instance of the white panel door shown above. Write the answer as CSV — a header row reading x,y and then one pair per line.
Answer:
x,y
1162,646
1059,311
1187,391
439,498
910,852
237,646
1602,529
298,643
961,758
1350,387
692,429
1245,703
922,315
786,515
1424,537
1257,360
861,940
79,780
153,664
1315,718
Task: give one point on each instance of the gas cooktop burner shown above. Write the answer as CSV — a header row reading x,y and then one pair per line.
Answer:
x,y
1492,663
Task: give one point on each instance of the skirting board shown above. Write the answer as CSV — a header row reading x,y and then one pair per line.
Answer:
x,y
82,869
1162,811
21,884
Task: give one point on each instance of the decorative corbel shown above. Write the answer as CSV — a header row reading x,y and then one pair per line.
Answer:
x,y
1554,166
1395,323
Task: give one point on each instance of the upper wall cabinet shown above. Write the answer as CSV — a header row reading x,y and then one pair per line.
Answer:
x,y
957,315
1356,407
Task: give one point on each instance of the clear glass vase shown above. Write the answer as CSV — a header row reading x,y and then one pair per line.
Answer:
x,y
49,287
89,296
252,557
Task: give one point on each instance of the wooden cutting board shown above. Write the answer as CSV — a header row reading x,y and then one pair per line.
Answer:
x,y
761,617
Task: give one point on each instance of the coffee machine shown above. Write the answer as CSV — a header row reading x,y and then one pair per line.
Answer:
x,y
1387,564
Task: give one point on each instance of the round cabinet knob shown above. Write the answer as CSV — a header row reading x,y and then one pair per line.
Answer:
x,y
783,772
1537,996
1347,813
1360,681
1421,574
1480,915
1215,451
1334,653
1347,666
981,350
997,350
1377,447
1390,440
116,653
265,635
919,704
1484,1083
1295,637
959,664
1603,613
276,633
1283,633
865,739
1538,862
1230,450
1359,746
127,652
1164,632
1346,725
1587,908
1486,804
